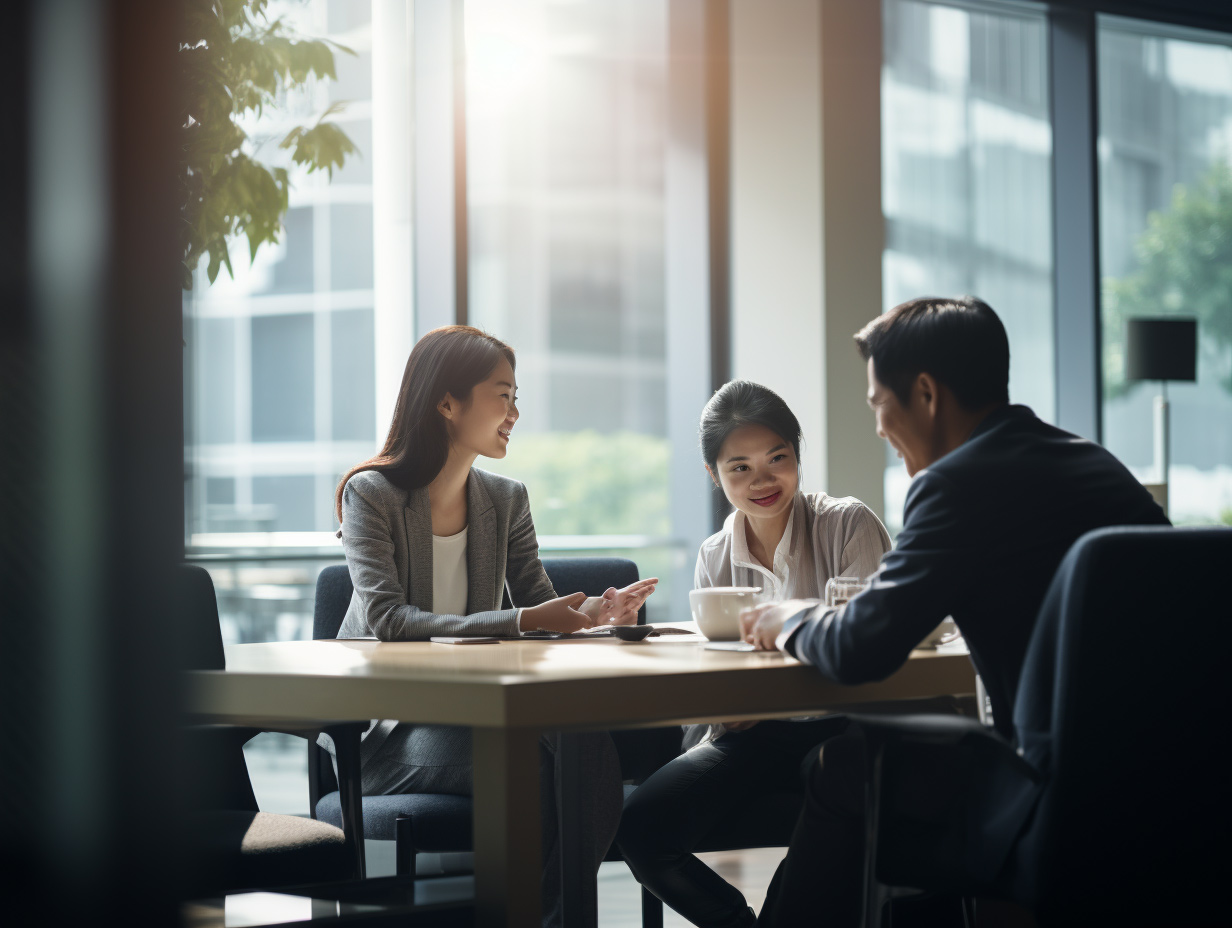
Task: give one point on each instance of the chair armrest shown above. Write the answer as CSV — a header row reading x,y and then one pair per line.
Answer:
x,y
929,781
935,729
882,731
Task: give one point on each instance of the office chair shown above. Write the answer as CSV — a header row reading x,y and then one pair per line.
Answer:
x,y
235,846
1120,767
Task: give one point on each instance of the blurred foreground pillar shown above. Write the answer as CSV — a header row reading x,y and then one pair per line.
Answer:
x,y
92,462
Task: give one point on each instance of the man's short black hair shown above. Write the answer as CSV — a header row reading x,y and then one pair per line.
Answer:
x,y
960,342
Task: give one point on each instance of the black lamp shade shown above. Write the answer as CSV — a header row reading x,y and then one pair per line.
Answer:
x,y
1162,349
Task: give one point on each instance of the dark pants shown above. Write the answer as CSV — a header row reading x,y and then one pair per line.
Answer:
x,y
694,798
821,880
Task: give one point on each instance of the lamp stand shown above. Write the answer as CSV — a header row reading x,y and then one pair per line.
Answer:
x,y
1161,445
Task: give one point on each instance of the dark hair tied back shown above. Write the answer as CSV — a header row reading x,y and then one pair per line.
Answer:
x,y
739,403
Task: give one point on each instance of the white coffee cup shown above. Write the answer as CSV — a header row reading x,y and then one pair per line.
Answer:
x,y
716,609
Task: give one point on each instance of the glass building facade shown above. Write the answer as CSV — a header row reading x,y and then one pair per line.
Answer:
x,y
281,391
966,179
1165,176
566,161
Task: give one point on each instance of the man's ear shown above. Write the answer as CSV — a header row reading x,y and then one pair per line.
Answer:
x,y
927,390
713,477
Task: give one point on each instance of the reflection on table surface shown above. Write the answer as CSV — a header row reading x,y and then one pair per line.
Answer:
x,y
508,661
546,684
388,895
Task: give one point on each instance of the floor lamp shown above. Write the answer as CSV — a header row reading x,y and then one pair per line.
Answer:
x,y
1161,349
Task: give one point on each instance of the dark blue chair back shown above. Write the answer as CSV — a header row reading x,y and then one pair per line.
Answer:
x,y
217,774
201,634
334,591
1124,706
589,575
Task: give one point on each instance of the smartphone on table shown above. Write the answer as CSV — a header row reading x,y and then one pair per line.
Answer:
x,y
445,640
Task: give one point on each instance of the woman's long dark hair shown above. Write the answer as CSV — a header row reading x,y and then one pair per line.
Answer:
x,y
741,402
451,359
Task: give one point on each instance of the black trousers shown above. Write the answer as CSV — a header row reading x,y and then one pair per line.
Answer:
x,y
693,798
924,793
821,880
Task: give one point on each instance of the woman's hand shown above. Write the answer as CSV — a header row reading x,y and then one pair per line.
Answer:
x,y
557,615
619,607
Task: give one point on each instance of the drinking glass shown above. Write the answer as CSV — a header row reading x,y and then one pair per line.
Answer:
x,y
840,589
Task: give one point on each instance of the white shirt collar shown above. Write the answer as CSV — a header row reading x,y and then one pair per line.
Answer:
x,y
782,554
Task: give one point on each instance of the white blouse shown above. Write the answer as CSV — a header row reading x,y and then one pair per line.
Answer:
x,y
825,537
449,575
450,579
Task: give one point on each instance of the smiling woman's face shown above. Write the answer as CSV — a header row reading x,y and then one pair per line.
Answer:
x,y
483,424
758,472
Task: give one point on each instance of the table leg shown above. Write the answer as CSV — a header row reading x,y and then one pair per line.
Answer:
x,y
346,751
579,899
508,858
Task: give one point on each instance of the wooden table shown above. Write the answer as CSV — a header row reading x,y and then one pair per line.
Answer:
x,y
512,691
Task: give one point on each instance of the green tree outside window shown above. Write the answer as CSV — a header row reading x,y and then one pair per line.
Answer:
x,y
238,62
1184,267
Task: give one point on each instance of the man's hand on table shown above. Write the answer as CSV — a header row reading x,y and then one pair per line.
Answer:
x,y
761,625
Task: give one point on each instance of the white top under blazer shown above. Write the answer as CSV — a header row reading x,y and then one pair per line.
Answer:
x,y
449,576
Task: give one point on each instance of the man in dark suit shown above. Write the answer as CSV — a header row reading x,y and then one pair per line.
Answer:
x,y
997,499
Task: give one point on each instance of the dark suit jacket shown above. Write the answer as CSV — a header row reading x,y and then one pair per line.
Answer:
x,y
984,529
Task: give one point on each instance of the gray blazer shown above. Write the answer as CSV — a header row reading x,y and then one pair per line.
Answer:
x,y
387,539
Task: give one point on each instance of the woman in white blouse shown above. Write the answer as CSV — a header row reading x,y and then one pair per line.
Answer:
x,y
789,543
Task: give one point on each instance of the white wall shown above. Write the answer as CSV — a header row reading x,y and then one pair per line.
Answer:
x,y
807,227
854,239
392,207
776,243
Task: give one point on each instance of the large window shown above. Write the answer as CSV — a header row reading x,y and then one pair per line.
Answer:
x,y
566,136
1165,160
281,384
567,145
281,388
966,179
574,206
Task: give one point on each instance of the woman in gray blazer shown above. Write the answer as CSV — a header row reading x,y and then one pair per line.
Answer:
x,y
433,544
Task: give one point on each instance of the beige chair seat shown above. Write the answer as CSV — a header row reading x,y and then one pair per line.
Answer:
x,y
251,850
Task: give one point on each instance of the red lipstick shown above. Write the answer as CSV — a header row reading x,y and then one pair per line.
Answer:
x,y
767,501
